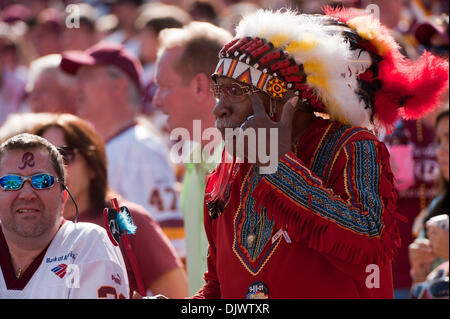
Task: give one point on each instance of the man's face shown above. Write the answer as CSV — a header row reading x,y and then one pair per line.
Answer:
x,y
49,95
28,212
173,96
95,89
148,41
78,38
231,114
442,145
234,106
45,39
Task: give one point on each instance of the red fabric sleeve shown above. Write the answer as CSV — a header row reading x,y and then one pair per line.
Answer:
x,y
351,217
211,289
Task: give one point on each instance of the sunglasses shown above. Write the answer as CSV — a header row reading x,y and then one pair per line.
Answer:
x,y
38,181
68,154
233,93
432,289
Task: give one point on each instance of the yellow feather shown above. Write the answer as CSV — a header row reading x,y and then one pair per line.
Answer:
x,y
369,30
305,44
278,40
316,74
318,81
333,109
313,66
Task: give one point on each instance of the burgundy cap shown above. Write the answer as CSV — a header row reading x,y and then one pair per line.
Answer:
x,y
104,53
424,31
16,12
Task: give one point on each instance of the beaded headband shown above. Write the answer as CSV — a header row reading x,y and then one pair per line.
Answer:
x,y
253,61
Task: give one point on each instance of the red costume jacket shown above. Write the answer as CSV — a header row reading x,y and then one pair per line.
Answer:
x,y
335,198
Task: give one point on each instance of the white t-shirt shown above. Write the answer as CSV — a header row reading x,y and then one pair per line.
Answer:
x,y
139,170
80,262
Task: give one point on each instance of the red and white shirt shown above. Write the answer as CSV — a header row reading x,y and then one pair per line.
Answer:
x,y
80,262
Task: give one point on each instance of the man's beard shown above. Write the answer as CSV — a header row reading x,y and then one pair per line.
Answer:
x,y
30,228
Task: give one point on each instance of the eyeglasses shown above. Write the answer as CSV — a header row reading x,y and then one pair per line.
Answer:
x,y
38,181
437,288
234,93
68,154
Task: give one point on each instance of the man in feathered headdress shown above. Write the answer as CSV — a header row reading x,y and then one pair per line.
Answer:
x,y
323,225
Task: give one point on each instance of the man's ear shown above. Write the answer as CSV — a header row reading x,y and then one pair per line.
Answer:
x,y
200,85
64,197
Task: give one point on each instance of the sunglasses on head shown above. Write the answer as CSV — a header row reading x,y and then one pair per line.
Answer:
x,y
68,154
38,181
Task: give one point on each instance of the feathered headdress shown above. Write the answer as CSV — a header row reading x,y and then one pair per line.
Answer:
x,y
344,63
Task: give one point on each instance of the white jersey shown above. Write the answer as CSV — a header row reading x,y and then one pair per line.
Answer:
x,y
139,170
80,262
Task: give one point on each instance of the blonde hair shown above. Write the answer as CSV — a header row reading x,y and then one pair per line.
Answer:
x,y
48,64
201,43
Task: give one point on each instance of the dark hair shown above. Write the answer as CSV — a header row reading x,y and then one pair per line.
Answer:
x,y
441,203
80,135
440,116
88,23
27,141
202,10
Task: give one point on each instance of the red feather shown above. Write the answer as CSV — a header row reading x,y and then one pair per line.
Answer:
x,y
428,81
409,88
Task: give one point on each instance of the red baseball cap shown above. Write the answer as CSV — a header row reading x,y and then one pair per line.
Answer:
x,y
427,29
104,53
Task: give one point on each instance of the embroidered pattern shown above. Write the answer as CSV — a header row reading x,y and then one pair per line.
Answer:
x,y
367,180
321,201
243,72
335,137
324,153
250,220
301,186
245,77
209,199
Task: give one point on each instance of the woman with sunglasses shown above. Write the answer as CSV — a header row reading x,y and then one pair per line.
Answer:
x,y
84,155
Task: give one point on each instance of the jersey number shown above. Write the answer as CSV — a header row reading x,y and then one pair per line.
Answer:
x,y
109,292
156,200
